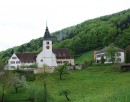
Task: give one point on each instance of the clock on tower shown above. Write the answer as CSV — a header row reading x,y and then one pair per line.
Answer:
x,y
47,47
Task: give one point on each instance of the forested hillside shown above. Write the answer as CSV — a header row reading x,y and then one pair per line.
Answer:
x,y
89,35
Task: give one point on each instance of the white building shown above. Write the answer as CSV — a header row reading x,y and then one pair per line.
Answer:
x,y
119,56
49,56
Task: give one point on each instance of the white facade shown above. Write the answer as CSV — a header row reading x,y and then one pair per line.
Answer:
x,y
46,56
14,62
119,58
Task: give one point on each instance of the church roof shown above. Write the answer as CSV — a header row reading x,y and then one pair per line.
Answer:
x,y
26,56
47,35
61,53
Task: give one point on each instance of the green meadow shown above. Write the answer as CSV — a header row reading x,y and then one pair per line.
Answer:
x,y
98,83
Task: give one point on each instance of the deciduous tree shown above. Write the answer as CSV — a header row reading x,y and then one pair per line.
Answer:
x,y
61,69
65,92
18,81
111,53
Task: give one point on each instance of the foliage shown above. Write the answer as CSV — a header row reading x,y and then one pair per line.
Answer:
x,y
102,60
18,81
5,77
61,69
127,54
29,66
88,64
30,76
1,65
41,96
65,92
111,53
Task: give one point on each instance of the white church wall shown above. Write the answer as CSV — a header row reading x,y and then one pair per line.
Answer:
x,y
43,59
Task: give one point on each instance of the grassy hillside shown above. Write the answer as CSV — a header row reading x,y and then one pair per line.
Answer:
x,y
94,84
88,56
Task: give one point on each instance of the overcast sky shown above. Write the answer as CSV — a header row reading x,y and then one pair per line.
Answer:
x,y
24,20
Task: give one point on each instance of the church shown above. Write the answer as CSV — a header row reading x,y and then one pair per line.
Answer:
x,y
48,56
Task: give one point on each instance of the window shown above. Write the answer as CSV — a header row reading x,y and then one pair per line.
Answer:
x,y
65,62
59,61
12,62
118,59
118,54
41,60
14,57
12,66
99,56
47,42
17,62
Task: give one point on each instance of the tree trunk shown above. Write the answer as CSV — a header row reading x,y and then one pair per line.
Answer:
x,y
3,94
67,97
45,92
60,76
16,90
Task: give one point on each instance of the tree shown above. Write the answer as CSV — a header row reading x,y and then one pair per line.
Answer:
x,y
45,92
61,69
42,95
18,81
111,53
2,80
5,77
102,60
65,92
127,54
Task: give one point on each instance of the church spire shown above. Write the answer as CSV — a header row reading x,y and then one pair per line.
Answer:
x,y
47,35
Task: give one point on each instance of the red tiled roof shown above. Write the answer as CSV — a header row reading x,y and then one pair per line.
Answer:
x,y
26,56
61,53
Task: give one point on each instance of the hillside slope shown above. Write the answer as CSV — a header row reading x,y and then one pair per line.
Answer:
x,y
94,84
89,35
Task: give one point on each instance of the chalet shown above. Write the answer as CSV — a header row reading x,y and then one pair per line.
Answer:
x,y
119,56
49,56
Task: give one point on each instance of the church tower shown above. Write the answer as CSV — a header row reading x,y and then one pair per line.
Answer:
x,y
47,44
46,56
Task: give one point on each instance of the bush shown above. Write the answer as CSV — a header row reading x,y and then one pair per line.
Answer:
x,y
30,77
87,64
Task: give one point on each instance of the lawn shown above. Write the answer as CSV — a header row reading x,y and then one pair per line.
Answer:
x,y
104,83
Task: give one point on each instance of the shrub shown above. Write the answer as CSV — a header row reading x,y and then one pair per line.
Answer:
x,y
30,77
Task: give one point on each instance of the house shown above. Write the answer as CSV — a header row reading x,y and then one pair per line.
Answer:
x,y
49,56
119,56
